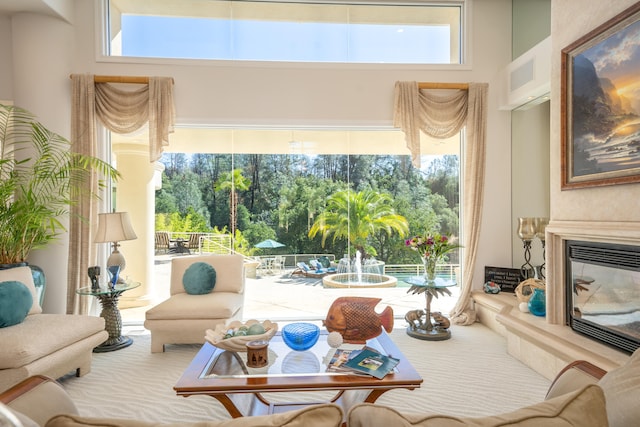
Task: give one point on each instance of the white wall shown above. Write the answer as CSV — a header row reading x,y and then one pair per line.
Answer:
x,y
6,73
42,58
297,94
572,19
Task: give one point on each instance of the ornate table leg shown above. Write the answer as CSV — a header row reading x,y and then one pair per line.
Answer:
x,y
435,326
113,324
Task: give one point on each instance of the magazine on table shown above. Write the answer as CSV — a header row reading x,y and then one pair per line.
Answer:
x,y
340,360
340,357
371,362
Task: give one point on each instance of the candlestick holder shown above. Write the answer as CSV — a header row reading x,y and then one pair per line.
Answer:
x,y
526,232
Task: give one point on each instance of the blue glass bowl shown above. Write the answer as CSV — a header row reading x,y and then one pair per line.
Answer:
x,y
300,336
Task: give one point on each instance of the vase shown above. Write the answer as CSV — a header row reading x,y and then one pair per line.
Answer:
x,y
430,265
39,279
537,302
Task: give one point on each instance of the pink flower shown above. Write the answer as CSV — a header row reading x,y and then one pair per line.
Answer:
x,y
432,246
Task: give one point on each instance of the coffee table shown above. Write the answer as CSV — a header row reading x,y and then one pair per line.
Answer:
x,y
224,376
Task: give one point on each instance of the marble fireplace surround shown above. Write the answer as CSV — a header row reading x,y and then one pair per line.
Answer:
x,y
546,344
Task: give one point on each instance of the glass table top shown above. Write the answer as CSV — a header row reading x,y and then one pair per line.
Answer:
x,y
283,361
105,289
437,283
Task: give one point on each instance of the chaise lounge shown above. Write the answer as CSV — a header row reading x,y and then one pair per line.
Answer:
x,y
186,315
305,271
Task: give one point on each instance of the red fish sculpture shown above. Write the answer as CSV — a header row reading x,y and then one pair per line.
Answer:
x,y
356,320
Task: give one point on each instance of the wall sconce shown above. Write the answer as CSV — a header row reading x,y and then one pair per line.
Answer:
x,y
529,229
115,227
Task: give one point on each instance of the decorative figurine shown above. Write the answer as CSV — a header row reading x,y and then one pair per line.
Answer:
x,y
491,288
440,321
356,319
414,316
94,274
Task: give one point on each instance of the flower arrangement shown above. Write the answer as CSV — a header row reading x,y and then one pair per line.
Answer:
x,y
433,249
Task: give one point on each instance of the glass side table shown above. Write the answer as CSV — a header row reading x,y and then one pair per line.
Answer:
x,y
108,298
423,323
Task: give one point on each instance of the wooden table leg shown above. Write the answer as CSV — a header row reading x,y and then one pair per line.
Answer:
x,y
228,404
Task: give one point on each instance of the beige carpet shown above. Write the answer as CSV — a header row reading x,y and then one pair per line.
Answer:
x,y
470,374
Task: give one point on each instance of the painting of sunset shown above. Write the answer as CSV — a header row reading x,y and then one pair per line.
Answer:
x,y
606,105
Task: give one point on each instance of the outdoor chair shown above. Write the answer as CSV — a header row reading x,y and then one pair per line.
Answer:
x,y
278,263
162,242
305,271
194,242
317,265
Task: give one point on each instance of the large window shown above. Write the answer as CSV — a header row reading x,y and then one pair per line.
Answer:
x,y
280,182
410,33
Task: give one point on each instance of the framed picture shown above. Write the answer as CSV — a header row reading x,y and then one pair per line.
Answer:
x,y
600,104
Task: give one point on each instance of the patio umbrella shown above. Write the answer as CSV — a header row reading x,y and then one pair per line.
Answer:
x,y
269,244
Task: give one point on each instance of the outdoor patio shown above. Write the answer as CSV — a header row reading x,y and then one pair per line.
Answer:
x,y
280,296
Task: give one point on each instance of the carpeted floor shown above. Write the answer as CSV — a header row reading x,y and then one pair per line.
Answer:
x,y
471,375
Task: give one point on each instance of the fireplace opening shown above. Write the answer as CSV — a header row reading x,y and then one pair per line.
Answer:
x,y
603,292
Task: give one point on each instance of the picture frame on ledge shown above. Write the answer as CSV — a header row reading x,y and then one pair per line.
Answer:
x,y
600,105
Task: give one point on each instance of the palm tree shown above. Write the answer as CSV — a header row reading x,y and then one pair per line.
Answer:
x,y
233,182
356,216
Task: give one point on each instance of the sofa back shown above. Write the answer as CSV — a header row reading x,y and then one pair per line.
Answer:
x,y
229,272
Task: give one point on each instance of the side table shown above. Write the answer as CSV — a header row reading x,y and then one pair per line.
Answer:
x,y
424,324
108,298
179,247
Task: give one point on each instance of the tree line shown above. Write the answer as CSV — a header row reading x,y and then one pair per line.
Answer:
x,y
289,198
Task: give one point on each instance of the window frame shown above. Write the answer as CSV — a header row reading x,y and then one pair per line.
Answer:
x,y
102,44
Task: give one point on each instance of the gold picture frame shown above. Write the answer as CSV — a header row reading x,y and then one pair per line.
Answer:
x,y
600,105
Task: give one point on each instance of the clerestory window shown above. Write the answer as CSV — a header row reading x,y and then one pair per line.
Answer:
x,y
331,32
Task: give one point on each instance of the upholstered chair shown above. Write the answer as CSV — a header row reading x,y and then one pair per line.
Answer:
x,y
205,290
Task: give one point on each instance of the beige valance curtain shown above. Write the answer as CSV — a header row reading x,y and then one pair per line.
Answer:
x,y
121,111
442,115
125,111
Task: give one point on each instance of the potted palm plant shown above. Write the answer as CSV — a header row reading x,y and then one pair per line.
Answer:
x,y
40,179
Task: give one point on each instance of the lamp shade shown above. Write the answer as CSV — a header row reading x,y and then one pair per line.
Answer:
x,y
114,227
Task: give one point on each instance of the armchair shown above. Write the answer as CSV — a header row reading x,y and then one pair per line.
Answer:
x,y
184,318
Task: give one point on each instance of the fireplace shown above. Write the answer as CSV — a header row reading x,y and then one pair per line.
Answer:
x,y
602,292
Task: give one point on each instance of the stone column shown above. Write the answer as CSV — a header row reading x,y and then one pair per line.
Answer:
x,y
135,193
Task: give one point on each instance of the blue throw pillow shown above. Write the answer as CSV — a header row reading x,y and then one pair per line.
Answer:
x,y
15,302
199,278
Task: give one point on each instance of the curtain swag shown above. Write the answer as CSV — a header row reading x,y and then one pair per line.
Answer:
x,y
121,111
125,111
442,116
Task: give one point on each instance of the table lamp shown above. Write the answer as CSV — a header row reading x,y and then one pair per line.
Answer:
x,y
114,227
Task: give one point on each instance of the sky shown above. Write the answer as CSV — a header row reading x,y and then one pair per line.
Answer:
x,y
200,38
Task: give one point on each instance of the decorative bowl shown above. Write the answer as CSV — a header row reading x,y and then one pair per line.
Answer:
x,y
239,343
300,336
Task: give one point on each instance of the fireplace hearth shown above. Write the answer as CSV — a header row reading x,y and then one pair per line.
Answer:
x,y
603,292
547,344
